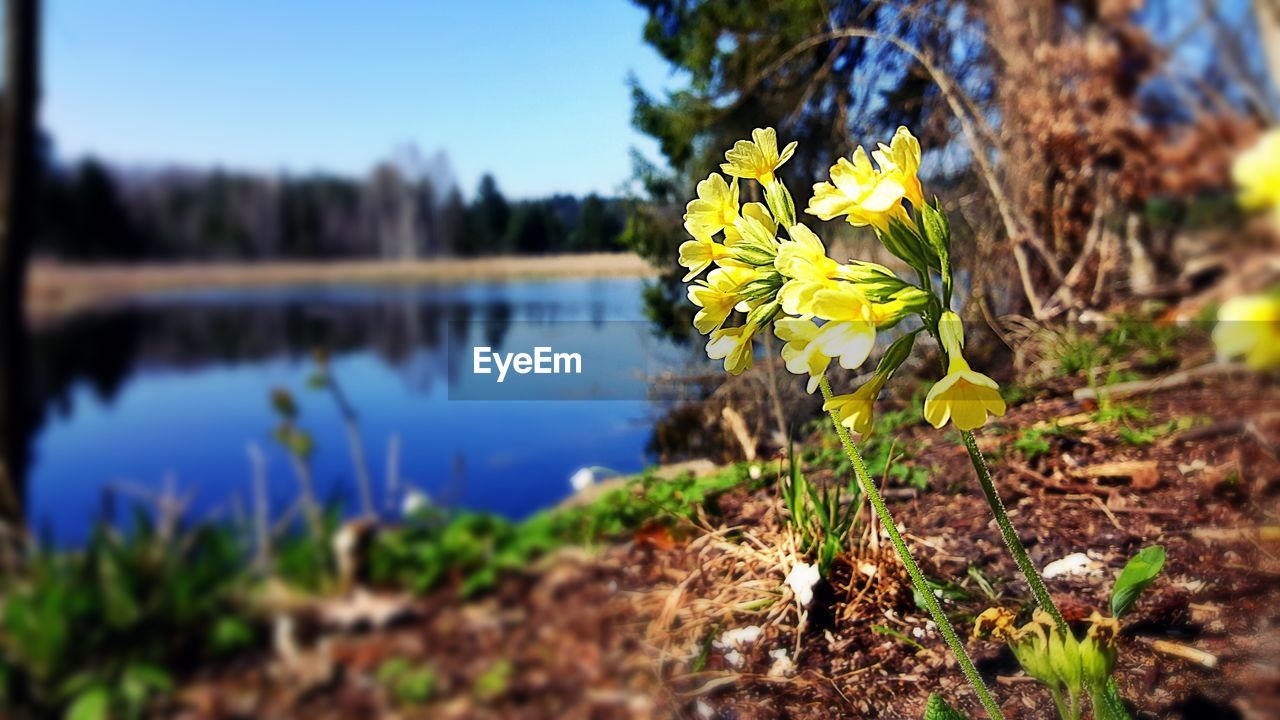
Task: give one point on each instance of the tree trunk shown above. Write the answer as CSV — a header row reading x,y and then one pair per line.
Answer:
x,y
17,191
1268,12
1142,271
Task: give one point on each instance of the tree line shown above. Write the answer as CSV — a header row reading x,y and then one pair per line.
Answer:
x,y
403,209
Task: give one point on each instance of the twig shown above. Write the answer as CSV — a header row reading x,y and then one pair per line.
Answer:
x,y
354,441
1172,380
1101,506
261,507
393,470
1199,657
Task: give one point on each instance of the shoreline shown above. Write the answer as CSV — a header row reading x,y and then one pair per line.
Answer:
x,y
56,290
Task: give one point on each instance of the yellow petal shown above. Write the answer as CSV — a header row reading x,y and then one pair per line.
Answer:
x,y
936,408
883,196
849,341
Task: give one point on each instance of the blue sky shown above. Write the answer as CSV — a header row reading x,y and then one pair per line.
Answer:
x,y
534,92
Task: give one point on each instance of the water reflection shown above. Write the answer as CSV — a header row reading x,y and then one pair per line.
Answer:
x,y
176,386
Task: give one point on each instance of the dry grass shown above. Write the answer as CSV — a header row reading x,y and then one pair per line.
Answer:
x,y
56,289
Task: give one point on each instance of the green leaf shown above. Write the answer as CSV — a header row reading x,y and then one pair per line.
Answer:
x,y
230,633
886,630
1136,576
1108,703
415,686
92,704
939,709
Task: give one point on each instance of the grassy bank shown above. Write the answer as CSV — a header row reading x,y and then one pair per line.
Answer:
x,y
56,289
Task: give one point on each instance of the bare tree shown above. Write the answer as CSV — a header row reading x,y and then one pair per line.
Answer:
x,y
17,174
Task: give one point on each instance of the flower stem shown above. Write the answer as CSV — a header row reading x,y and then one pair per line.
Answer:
x,y
1043,599
917,578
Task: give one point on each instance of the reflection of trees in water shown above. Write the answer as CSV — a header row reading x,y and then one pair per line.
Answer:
x,y
102,349
425,340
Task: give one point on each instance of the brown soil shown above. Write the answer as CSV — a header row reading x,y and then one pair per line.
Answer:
x,y
617,632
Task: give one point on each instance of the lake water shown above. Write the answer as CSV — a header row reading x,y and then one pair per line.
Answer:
x,y
173,390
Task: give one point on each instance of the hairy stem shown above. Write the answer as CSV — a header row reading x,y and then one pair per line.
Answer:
x,y
917,578
1043,599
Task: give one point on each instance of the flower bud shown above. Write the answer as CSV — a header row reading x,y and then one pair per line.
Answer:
x,y
951,333
896,354
1098,650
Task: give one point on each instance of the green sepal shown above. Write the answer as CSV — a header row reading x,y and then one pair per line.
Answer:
x,y
763,314
1064,658
937,232
766,285
905,243
780,203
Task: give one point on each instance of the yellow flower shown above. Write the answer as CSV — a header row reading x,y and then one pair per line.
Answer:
x,y
901,157
1249,326
963,396
841,301
715,208
757,158
850,333
796,296
716,296
849,340
1257,172
803,257
698,254
859,192
799,352
857,409
733,345
755,211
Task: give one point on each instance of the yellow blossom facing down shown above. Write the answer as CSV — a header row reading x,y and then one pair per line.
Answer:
x,y
758,157
901,158
963,396
715,208
1249,327
754,211
733,345
799,352
717,296
1257,173
697,255
859,192
857,409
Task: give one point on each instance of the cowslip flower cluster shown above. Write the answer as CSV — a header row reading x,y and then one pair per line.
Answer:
x,y
1249,327
764,265
1067,666
1257,173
